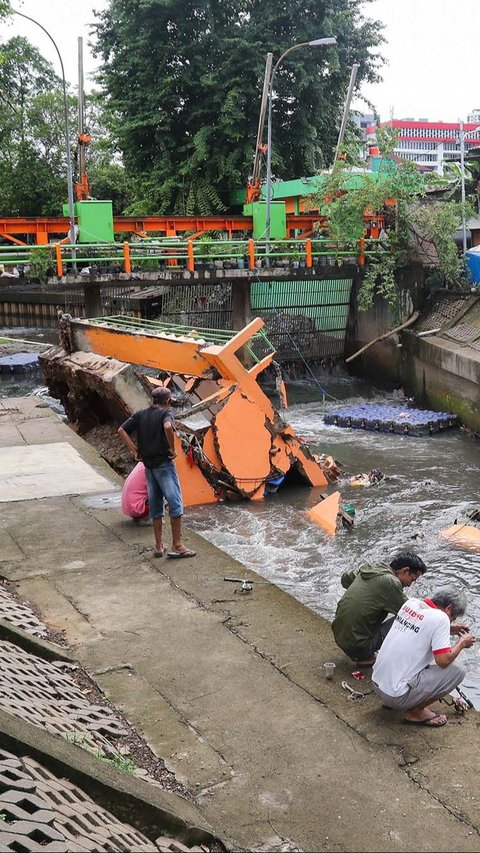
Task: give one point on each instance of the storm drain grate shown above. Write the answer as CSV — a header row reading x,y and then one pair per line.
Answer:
x,y
20,615
42,693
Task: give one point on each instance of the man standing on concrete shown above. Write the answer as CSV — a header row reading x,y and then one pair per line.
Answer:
x,y
416,664
155,431
373,591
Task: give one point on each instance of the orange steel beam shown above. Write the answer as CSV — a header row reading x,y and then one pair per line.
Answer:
x,y
14,240
44,227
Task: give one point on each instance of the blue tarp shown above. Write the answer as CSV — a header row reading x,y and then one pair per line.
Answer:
x,y
472,258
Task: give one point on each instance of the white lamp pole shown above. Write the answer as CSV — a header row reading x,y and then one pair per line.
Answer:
x,y
71,208
315,43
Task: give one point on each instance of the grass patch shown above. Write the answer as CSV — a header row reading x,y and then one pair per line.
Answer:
x,y
119,761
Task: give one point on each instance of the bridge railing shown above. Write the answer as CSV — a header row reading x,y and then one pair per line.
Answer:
x,y
194,254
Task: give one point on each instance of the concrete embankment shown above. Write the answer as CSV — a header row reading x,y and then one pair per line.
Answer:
x,y
227,688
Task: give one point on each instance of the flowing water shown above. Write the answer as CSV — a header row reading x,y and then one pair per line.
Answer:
x,y
432,481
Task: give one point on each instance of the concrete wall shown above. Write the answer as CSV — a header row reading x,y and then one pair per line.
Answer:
x,y
443,375
382,362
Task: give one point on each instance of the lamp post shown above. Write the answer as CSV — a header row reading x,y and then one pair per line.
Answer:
x,y
462,135
71,209
315,43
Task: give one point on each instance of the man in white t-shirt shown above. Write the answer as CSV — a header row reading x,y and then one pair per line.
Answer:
x,y
416,663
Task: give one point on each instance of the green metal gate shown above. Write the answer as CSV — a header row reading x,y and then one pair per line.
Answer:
x,y
310,316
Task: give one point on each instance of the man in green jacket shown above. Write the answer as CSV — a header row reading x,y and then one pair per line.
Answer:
x,y
373,591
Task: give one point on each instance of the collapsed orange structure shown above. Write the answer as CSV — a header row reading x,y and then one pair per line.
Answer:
x,y
231,441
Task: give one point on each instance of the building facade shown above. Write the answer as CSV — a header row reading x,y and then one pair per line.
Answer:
x,y
431,144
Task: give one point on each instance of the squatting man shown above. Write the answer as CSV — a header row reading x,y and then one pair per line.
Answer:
x,y
416,664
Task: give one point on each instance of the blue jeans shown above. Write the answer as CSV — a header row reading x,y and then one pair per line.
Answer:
x,y
163,485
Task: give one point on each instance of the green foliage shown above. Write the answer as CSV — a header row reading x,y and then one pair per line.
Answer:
x,y
32,142
183,80
379,279
425,223
438,222
32,139
41,260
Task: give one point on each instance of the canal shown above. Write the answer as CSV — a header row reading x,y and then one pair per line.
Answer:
x,y
431,482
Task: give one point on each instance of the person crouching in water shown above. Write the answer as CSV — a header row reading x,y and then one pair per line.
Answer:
x,y
373,591
155,431
416,664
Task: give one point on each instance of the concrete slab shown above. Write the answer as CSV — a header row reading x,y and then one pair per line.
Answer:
x,y
41,431
29,472
9,549
307,768
10,435
185,751
57,611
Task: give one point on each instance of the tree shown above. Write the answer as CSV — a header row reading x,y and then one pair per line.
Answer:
x,y
31,133
419,223
32,139
183,82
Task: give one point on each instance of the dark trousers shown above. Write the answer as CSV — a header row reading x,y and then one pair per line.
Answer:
x,y
366,652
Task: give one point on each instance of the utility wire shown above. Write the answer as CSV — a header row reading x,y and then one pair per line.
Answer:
x,y
297,348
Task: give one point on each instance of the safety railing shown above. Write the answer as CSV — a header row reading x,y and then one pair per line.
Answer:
x,y
156,254
139,325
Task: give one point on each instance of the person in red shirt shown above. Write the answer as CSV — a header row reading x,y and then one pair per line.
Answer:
x,y
417,664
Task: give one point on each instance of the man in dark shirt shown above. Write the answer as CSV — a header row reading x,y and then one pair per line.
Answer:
x,y
155,431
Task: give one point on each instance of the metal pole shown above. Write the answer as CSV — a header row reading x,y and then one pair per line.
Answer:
x,y
268,189
81,109
346,110
269,175
261,122
462,177
71,208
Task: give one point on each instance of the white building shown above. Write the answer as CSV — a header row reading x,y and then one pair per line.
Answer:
x,y
431,144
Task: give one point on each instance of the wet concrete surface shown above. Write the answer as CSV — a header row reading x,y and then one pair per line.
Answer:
x,y
229,688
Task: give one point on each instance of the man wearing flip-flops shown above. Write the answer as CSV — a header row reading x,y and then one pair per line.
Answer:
x,y
155,431
416,664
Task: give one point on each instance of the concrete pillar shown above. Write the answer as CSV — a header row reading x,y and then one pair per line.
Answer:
x,y
93,300
241,308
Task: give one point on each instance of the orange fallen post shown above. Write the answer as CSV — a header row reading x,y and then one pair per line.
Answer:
x,y
464,535
326,513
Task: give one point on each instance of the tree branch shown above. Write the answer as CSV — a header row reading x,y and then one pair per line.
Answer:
x,y
408,322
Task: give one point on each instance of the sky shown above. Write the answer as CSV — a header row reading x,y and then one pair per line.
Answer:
x,y
431,51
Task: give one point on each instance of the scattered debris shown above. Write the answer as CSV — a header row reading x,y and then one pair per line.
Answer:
x,y
246,584
355,694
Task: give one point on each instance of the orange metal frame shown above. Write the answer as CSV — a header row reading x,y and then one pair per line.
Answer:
x,y
44,228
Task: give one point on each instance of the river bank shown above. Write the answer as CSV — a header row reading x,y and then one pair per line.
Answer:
x,y
228,688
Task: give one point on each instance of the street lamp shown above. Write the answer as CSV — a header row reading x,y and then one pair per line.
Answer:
x,y
315,43
462,135
71,209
